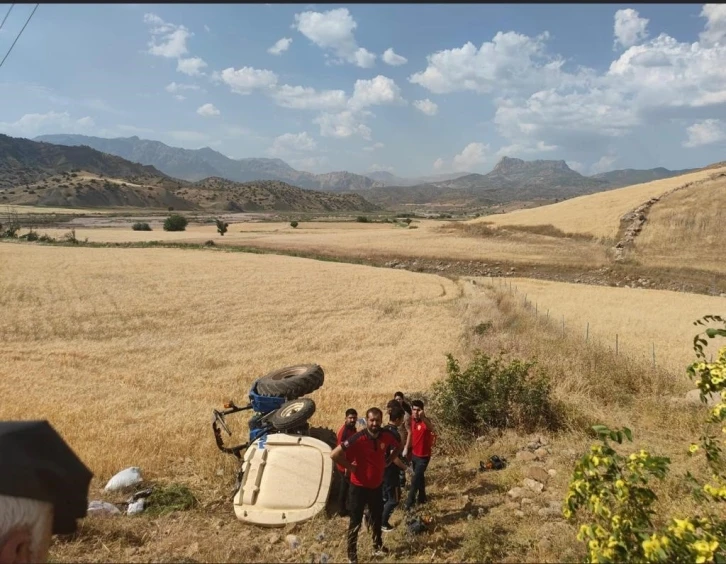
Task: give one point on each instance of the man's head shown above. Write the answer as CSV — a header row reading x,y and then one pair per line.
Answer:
x,y
398,396
417,407
26,527
395,415
351,416
390,405
374,419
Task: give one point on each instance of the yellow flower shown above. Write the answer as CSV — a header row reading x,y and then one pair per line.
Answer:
x,y
704,550
651,547
693,448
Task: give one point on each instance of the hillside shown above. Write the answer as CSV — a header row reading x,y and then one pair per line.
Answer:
x,y
42,174
197,164
598,214
630,176
387,179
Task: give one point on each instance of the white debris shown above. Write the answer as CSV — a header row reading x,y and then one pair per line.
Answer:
x,y
102,508
136,507
125,479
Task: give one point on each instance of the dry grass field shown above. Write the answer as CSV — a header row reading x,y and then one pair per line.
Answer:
x,y
596,214
687,228
640,318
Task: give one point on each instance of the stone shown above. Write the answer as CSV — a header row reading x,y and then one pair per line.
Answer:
x,y
541,453
555,504
293,541
274,538
537,473
527,501
526,456
694,397
516,493
533,485
552,472
519,513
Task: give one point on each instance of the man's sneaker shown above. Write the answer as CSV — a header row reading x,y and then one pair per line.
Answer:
x,y
381,551
386,528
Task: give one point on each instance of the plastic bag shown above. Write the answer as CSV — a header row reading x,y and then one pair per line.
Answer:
x,y
124,479
102,508
136,507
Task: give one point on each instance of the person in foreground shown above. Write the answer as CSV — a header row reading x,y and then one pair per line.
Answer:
x,y
364,456
344,433
43,490
419,443
394,466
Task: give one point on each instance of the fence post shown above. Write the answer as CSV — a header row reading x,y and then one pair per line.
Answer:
x,y
548,313
654,355
587,333
525,300
536,311
563,326
616,344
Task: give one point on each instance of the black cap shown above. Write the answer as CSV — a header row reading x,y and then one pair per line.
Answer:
x,y
36,463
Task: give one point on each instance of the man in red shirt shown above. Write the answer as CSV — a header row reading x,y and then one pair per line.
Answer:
x,y
364,456
344,433
419,443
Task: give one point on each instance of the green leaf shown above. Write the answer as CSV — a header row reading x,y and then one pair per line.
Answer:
x,y
628,434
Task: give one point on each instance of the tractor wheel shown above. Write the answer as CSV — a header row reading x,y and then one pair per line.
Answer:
x,y
292,414
291,382
328,436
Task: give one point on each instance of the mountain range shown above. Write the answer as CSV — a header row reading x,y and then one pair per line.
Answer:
x,y
45,174
197,164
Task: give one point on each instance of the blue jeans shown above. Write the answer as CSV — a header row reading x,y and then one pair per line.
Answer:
x,y
391,492
418,483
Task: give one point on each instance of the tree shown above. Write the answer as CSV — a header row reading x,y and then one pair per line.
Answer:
x,y
221,227
175,222
293,224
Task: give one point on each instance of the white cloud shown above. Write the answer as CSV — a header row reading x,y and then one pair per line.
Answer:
x,y
378,91
333,31
715,31
206,28
374,147
517,149
439,164
174,87
280,46
247,79
705,133
630,28
309,163
305,98
180,97
426,106
292,143
31,125
208,110
577,166
473,155
605,164
380,168
343,124
391,58
167,40
192,66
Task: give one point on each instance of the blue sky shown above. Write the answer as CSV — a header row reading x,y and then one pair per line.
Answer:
x,y
413,89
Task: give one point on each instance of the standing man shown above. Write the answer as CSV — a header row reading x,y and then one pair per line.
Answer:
x,y
420,441
403,428
399,397
364,456
394,467
344,433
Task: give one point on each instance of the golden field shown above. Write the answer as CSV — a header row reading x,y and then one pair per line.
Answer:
x,y
596,214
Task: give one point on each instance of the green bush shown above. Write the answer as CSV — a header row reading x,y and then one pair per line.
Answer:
x,y
169,498
175,222
482,328
293,224
221,227
361,219
141,226
32,235
491,394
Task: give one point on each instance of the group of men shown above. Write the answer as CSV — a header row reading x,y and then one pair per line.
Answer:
x,y
374,462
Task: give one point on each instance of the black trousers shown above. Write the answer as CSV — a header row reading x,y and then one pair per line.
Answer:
x,y
417,493
391,492
358,499
343,495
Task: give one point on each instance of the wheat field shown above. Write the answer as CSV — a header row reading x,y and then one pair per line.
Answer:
x,y
596,214
686,229
640,318
126,351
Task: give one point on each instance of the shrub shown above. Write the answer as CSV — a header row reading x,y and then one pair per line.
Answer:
x,y
170,498
610,495
221,227
210,243
361,219
45,238
141,226
32,235
175,222
70,237
482,328
293,224
491,394
408,220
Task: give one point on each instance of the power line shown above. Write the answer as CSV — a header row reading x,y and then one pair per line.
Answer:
x,y
6,15
19,34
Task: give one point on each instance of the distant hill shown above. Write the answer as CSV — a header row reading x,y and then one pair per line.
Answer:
x,y
387,179
197,164
630,176
510,180
44,174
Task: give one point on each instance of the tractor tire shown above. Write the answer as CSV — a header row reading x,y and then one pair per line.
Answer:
x,y
291,382
323,434
292,414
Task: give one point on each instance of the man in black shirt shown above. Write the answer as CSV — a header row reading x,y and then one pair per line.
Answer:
x,y
394,466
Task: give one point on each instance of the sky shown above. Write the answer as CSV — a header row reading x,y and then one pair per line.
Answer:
x,y
410,89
